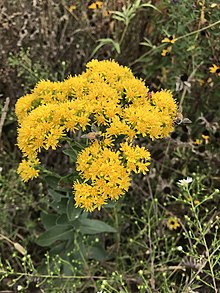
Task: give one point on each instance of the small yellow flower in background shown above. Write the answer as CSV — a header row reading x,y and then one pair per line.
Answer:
x,y
96,5
173,223
166,51
170,39
197,142
196,202
215,69
206,138
107,12
72,8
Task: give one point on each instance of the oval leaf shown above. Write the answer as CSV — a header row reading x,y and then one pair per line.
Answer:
x,y
52,181
71,153
89,226
55,195
54,234
72,212
48,221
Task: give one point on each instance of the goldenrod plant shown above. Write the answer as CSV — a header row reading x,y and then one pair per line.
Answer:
x,y
85,214
109,97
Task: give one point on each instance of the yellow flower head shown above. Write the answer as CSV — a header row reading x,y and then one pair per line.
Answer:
x,y
166,51
215,69
196,202
206,138
197,142
170,39
173,223
72,7
96,5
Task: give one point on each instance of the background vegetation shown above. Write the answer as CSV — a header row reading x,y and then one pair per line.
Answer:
x,y
166,235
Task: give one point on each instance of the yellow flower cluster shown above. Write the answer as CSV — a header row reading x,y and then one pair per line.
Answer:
x,y
103,174
108,96
136,158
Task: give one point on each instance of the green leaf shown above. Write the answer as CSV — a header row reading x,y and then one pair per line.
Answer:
x,y
147,43
89,226
52,181
97,252
55,195
58,248
55,233
103,42
118,16
71,153
48,221
60,207
72,212
75,145
117,47
62,220
145,5
66,182
110,205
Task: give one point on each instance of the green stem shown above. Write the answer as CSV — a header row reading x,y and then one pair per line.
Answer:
x,y
204,242
177,39
123,34
199,30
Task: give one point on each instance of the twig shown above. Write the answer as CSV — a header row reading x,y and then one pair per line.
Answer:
x,y
3,115
189,79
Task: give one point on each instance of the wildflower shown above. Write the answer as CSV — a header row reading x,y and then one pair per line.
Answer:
x,y
72,7
197,142
96,5
214,5
215,69
179,248
136,158
109,96
183,83
185,182
170,39
196,202
118,127
173,223
108,178
206,138
27,169
107,12
166,51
